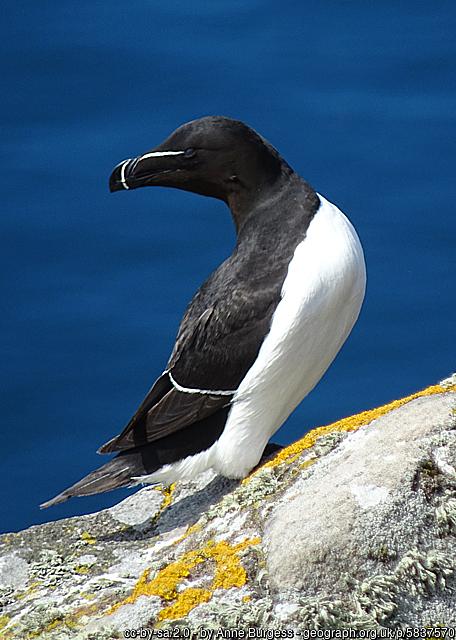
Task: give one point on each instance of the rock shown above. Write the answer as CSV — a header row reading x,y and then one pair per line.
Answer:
x,y
368,511
352,526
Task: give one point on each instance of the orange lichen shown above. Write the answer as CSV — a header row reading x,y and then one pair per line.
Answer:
x,y
186,601
167,579
228,570
228,573
352,423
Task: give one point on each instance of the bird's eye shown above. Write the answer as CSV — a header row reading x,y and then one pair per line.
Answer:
x,y
189,153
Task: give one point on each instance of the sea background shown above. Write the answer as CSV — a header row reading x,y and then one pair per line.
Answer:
x,y
359,97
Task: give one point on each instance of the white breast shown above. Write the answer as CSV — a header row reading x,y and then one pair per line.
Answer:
x,y
321,299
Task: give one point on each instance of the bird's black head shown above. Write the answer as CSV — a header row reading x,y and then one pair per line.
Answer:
x,y
214,156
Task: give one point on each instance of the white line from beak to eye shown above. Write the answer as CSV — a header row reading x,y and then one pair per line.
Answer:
x,y
157,154
122,173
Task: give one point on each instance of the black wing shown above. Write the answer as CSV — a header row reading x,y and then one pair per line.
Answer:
x,y
172,412
212,353
218,341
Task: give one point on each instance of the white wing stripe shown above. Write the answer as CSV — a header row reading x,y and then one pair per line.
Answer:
x,y
209,392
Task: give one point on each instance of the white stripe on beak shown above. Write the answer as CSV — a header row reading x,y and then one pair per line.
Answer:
x,y
122,173
157,154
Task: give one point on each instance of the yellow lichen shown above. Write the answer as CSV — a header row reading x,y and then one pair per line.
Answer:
x,y
228,570
82,569
3,622
70,621
352,423
88,539
228,573
49,627
167,493
53,625
30,590
308,463
192,529
186,601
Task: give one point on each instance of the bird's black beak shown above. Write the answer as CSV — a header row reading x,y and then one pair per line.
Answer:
x,y
118,178
146,170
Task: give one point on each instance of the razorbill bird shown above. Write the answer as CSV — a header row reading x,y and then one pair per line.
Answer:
x,y
260,331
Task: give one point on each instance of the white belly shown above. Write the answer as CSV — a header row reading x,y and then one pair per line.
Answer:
x,y
321,299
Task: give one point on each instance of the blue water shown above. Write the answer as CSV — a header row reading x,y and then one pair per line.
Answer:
x,y
359,98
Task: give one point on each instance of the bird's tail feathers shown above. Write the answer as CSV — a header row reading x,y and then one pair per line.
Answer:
x,y
115,474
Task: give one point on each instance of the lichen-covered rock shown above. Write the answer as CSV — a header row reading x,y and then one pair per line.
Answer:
x,y
352,526
364,529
